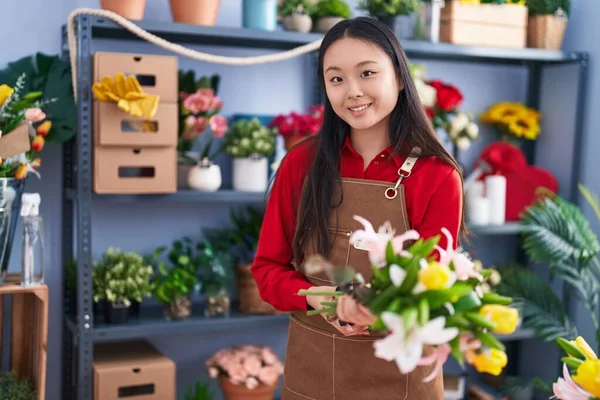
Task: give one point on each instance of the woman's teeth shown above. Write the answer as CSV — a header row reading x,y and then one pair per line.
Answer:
x,y
360,108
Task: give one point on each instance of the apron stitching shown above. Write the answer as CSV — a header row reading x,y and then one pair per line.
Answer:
x,y
370,183
406,393
298,394
312,329
333,363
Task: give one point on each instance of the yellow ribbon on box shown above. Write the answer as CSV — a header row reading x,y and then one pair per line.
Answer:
x,y
128,94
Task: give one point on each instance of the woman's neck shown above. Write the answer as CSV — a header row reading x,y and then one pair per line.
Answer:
x,y
369,142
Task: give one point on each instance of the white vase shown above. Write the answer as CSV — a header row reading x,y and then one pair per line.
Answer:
x,y
205,177
250,174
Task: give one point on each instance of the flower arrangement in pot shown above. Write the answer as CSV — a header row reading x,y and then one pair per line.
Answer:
x,y
174,285
199,108
247,371
295,127
547,23
120,279
296,15
250,144
327,13
399,15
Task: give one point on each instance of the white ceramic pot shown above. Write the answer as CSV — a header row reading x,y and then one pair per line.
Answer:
x,y
205,177
250,174
298,22
326,23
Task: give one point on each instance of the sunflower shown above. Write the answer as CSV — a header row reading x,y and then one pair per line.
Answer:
x,y
524,125
502,113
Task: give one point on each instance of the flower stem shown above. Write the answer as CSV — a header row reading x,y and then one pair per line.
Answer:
x,y
316,293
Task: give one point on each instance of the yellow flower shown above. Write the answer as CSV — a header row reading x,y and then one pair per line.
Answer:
x,y
584,348
502,112
588,377
436,276
5,92
524,126
492,361
21,172
128,94
505,318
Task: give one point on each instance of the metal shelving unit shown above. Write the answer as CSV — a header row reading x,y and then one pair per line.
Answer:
x,y
81,331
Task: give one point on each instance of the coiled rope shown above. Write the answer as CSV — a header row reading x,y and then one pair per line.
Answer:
x,y
173,47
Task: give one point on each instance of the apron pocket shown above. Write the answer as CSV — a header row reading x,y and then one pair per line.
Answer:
x,y
308,362
359,375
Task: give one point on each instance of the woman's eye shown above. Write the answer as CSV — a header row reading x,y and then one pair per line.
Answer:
x,y
335,79
366,74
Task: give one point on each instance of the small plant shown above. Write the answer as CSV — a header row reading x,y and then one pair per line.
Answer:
x,y
289,7
332,8
215,268
120,277
13,388
378,8
548,7
200,391
248,138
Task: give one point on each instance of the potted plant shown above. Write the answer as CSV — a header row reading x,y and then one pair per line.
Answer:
x,y
247,371
296,15
547,23
214,273
199,108
174,285
399,15
119,279
295,127
327,13
14,388
130,9
249,143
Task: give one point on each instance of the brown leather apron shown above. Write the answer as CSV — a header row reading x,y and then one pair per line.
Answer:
x,y
323,364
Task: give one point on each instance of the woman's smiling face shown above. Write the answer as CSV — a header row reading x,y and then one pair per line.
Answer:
x,y
360,82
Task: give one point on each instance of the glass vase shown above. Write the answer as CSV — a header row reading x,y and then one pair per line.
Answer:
x,y
32,271
218,303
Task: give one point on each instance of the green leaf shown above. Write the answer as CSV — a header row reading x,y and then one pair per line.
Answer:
x,y
489,340
495,298
539,307
456,352
466,303
480,320
409,317
571,362
570,348
437,298
423,312
389,253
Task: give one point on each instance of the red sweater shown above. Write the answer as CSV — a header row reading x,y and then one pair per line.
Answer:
x,y
433,200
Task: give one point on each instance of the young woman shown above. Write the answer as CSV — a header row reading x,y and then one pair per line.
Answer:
x,y
376,156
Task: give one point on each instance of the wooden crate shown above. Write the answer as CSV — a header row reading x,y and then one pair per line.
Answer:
x,y
28,322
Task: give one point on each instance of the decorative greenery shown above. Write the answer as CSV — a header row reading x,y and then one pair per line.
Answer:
x,y
13,388
379,8
249,138
289,7
51,76
200,391
120,277
331,8
215,268
548,7
178,280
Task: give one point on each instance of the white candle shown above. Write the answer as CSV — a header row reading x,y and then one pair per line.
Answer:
x,y
475,189
495,191
478,210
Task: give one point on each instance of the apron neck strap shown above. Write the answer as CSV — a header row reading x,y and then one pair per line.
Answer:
x,y
404,171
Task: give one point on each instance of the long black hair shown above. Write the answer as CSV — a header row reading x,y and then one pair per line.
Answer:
x,y
409,126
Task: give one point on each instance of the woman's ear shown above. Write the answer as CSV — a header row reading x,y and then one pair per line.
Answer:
x,y
400,85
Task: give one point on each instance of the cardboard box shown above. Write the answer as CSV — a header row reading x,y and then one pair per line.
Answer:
x,y
157,74
115,127
135,170
500,25
133,371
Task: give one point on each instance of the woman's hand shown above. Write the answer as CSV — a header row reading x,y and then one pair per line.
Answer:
x,y
347,329
350,311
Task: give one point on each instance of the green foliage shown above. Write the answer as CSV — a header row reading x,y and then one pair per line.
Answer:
x,y
216,268
332,8
515,384
200,391
51,76
13,388
120,277
548,7
289,7
248,138
189,84
378,8
541,309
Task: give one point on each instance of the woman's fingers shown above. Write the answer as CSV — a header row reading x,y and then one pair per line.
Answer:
x,y
350,311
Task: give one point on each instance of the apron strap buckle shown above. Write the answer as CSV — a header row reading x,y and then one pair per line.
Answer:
x,y
404,172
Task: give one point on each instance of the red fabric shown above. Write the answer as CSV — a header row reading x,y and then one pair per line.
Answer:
x,y
433,199
522,180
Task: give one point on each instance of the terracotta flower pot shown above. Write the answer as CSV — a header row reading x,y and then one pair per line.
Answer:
x,y
197,12
241,392
130,9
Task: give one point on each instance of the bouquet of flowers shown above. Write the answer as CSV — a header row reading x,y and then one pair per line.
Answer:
x,y
18,109
442,101
513,120
419,300
295,127
248,365
199,108
581,372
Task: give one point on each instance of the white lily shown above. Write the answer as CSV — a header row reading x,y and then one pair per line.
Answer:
x,y
377,241
406,347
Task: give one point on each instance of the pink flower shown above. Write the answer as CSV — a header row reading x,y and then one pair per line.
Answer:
x,y
252,365
34,115
190,122
566,389
463,267
237,373
268,357
468,342
216,104
377,241
439,357
268,375
213,372
197,103
252,383
218,125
